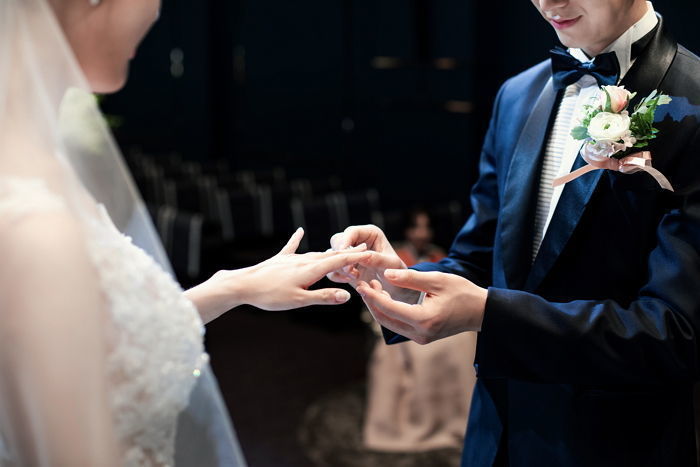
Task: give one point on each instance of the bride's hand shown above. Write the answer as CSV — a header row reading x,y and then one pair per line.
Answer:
x,y
279,283
383,257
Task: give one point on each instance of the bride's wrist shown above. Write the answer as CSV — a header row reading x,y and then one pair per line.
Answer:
x,y
222,292
232,284
230,288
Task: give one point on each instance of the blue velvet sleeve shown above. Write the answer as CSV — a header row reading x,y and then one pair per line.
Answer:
x,y
651,340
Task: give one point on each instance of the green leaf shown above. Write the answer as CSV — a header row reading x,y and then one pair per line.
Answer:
x,y
608,101
580,132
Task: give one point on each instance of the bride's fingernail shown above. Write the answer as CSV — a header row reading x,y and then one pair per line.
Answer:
x,y
342,296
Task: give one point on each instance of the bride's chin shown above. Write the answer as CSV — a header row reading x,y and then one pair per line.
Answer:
x,y
108,84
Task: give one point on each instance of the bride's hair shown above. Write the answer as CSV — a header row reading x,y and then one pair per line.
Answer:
x,y
104,35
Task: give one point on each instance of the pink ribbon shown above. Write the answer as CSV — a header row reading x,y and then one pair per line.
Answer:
x,y
637,162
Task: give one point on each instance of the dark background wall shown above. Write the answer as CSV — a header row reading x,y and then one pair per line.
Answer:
x,y
345,87
348,87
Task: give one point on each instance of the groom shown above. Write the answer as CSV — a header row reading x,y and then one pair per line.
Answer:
x,y
586,297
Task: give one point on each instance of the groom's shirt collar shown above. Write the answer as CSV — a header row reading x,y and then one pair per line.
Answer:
x,y
623,44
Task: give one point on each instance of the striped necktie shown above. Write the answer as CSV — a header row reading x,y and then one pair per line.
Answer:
x,y
552,161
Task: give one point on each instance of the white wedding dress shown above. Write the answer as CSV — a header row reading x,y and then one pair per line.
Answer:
x,y
155,334
102,360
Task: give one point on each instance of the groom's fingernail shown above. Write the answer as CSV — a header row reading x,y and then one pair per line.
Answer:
x,y
342,296
391,274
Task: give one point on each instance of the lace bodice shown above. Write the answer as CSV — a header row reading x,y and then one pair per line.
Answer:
x,y
154,333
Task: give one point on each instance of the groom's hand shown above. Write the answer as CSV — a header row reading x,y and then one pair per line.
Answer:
x,y
385,256
452,305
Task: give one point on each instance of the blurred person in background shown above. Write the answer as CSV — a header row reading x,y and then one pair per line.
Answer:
x,y
418,396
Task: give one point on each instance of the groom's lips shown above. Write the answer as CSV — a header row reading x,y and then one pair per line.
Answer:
x,y
564,23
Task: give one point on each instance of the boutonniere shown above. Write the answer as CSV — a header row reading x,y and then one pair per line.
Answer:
x,y
613,138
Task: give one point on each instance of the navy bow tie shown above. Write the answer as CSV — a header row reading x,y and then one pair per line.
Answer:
x,y
567,70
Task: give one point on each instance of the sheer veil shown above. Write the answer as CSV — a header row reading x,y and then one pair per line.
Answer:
x,y
52,130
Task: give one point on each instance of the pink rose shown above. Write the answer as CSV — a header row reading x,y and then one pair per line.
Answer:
x,y
619,97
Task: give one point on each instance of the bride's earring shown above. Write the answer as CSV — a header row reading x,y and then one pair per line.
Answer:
x,y
95,2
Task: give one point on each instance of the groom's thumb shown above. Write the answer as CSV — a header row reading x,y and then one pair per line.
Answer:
x,y
416,280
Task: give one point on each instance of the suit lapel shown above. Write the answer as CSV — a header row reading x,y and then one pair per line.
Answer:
x,y
651,67
646,74
566,216
521,189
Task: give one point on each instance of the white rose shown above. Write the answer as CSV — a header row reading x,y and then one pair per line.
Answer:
x,y
609,127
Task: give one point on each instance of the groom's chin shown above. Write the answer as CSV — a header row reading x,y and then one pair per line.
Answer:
x,y
567,41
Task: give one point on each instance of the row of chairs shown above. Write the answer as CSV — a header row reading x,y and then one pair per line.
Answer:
x,y
234,213
181,234
203,209
184,233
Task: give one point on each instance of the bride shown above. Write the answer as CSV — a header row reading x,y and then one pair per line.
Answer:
x,y
101,353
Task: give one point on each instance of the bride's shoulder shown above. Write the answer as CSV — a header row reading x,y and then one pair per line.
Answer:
x,y
34,220
42,246
22,196
30,209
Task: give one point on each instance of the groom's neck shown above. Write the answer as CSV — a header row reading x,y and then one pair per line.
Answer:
x,y
635,13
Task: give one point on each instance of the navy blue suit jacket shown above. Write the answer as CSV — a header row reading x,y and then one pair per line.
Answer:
x,y
588,356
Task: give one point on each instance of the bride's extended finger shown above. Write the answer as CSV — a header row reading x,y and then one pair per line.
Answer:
x,y
337,263
383,261
356,249
293,243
